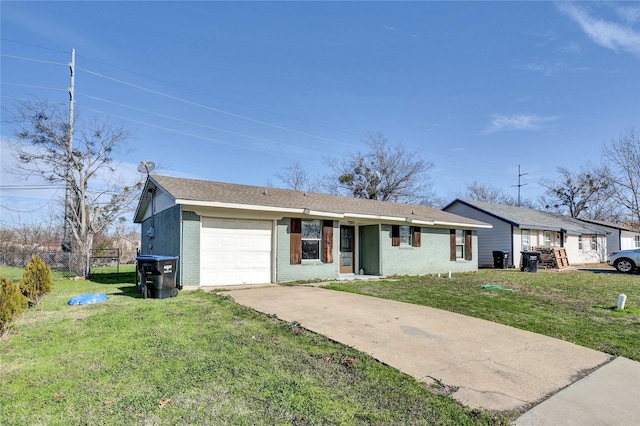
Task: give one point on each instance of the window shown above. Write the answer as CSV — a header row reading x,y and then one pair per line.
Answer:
x,y
459,244
636,239
405,235
526,239
547,238
311,237
461,247
580,243
594,242
311,240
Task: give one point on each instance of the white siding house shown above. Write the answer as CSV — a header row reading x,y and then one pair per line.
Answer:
x,y
517,229
619,236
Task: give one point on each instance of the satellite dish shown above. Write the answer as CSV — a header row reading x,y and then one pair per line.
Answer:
x,y
146,166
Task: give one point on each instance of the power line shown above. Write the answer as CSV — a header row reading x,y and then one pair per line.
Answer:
x,y
169,83
30,99
192,134
34,45
31,59
27,187
192,122
219,97
265,123
31,211
6,83
262,122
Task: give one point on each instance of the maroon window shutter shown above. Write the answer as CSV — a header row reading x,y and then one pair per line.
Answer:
x,y
416,235
452,244
295,232
395,235
327,241
468,249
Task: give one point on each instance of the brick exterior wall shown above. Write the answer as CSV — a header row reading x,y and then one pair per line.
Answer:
x,y
307,270
190,259
432,257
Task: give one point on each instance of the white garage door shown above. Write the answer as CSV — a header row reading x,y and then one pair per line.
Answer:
x,y
235,252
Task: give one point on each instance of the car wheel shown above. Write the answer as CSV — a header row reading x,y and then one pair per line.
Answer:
x,y
624,265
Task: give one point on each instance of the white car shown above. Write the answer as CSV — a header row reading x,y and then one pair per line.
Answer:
x,y
625,260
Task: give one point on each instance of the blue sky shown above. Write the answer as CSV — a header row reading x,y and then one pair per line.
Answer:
x,y
238,91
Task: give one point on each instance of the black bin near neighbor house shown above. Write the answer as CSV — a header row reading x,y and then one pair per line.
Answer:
x,y
501,259
530,261
157,276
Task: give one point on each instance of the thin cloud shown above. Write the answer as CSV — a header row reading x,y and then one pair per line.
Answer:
x,y
629,13
548,69
389,28
501,122
610,35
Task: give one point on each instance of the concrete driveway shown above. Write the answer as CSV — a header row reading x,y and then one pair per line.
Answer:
x,y
490,365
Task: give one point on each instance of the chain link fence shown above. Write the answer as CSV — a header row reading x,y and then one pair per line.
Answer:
x,y
68,265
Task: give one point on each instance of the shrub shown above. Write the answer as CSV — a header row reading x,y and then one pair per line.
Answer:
x,y
36,280
12,304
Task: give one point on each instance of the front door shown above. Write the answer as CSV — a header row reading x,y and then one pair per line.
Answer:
x,y
346,249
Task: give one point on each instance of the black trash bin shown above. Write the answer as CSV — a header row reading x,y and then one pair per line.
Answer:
x,y
157,276
530,261
501,259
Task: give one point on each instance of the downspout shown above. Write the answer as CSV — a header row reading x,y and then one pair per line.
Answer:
x,y
619,239
180,252
380,262
513,254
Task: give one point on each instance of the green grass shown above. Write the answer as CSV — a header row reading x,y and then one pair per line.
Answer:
x,y
196,359
575,306
15,273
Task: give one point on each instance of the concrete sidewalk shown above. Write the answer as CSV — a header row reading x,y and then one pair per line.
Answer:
x,y
608,396
491,365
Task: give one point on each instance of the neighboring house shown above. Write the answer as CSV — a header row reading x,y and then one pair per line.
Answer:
x,y
228,234
517,229
619,237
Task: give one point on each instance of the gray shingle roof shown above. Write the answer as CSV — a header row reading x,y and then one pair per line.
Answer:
x,y
611,225
191,191
525,218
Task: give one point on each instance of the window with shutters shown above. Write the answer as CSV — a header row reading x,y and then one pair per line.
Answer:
x,y
461,244
404,235
311,237
311,240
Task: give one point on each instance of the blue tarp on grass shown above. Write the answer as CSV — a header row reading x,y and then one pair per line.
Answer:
x,y
88,299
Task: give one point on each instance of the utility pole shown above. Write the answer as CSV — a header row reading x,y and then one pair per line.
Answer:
x,y
66,240
519,184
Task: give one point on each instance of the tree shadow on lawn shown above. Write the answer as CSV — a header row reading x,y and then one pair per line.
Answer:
x,y
114,278
126,282
606,271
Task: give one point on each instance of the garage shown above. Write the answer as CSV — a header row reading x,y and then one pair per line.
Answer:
x,y
235,252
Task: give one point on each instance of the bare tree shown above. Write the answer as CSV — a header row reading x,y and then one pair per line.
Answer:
x,y
384,172
623,164
576,191
297,178
490,194
98,195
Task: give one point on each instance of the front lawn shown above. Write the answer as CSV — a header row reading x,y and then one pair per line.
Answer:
x,y
196,359
576,306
